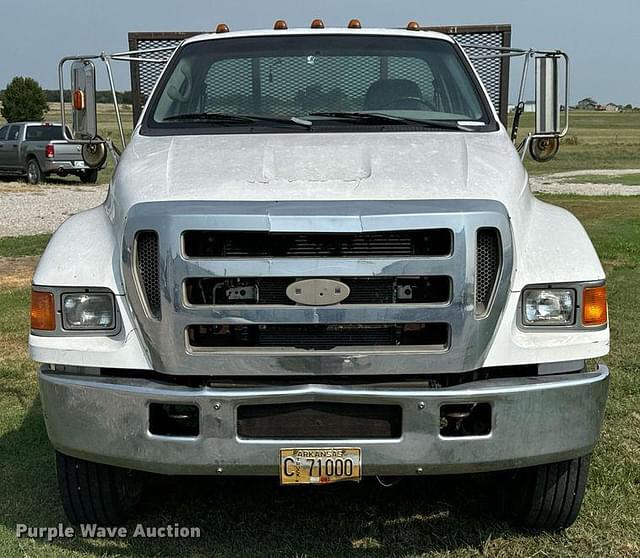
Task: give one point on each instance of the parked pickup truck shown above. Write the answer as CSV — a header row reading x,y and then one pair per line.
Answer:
x,y
320,260
38,150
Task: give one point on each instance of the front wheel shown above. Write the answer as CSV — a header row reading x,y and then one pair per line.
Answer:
x,y
34,174
547,497
96,493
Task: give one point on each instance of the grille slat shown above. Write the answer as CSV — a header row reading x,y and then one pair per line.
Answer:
x,y
148,270
488,262
319,337
363,290
231,244
323,338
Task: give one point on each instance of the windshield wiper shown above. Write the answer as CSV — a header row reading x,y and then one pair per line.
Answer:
x,y
224,119
378,117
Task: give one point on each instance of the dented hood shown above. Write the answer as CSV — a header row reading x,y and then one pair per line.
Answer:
x,y
336,166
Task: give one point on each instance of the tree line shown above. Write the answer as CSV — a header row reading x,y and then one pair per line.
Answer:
x,y
124,97
24,99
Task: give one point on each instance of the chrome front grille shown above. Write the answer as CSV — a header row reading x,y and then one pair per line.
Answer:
x,y
192,324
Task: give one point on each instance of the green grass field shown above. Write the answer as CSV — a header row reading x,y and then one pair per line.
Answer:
x,y
443,517
596,140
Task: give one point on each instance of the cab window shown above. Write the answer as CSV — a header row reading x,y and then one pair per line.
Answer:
x,y
44,133
14,133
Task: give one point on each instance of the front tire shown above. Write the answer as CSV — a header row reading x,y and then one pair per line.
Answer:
x,y
34,173
96,493
548,497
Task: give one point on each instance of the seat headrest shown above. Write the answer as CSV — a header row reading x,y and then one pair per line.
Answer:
x,y
383,92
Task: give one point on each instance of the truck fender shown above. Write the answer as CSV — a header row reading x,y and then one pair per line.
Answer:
x,y
83,252
552,247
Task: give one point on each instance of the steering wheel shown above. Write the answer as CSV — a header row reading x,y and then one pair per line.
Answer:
x,y
399,100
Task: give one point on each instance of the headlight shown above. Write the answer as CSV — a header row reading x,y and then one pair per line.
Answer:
x,y
549,307
88,311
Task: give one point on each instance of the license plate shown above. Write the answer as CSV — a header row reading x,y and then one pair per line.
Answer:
x,y
320,465
78,164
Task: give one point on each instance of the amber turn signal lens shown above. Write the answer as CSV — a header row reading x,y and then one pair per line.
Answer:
x,y
355,24
78,99
317,24
222,28
43,311
594,306
280,25
413,26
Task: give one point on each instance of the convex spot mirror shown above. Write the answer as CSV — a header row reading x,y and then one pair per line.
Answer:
x,y
83,100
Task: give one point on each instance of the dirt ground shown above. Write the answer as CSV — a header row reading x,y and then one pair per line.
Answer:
x,y
16,273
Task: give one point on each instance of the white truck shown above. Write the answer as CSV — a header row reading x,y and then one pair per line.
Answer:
x,y
320,259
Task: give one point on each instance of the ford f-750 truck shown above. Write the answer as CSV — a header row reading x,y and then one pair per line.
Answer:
x,y
320,259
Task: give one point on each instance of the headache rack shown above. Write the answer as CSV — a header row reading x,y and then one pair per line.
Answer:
x,y
494,72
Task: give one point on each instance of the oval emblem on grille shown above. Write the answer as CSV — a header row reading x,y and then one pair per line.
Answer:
x,y
318,292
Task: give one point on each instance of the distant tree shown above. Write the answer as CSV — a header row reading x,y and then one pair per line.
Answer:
x,y
23,99
628,107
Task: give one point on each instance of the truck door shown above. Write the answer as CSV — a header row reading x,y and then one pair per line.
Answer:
x,y
9,148
4,130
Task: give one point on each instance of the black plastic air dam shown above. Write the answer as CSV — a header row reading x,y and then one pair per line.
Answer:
x,y
319,421
431,336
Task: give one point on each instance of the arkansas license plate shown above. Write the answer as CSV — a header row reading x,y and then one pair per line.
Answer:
x,y
320,465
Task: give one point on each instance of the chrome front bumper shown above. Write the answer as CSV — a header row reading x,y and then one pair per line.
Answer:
x,y
536,420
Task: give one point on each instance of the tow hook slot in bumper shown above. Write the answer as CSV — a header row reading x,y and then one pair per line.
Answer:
x,y
465,419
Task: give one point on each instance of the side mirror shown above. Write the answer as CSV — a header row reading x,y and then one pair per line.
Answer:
x,y
547,95
83,100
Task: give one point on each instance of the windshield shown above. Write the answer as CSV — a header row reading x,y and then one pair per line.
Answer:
x,y
311,82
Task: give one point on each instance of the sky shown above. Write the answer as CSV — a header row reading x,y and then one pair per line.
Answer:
x,y
600,37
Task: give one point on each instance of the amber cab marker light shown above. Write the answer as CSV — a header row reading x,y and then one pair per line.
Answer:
x,y
43,311
222,28
317,24
355,24
413,26
594,306
280,25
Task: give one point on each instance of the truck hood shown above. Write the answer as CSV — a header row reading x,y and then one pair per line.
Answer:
x,y
337,166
